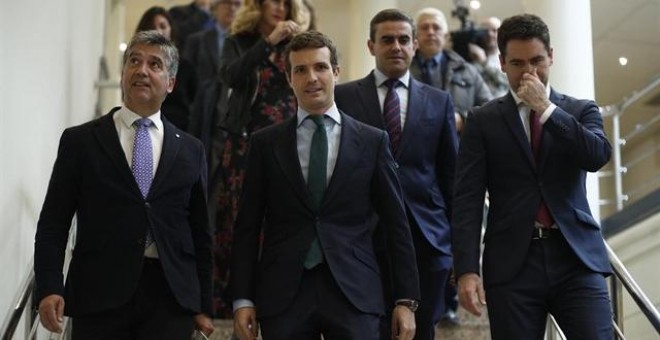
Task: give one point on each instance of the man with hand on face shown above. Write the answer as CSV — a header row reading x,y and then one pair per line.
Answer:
x,y
424,144
543,251
314,188
141,267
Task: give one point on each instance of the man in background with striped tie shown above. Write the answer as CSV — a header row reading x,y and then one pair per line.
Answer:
x,y
420,122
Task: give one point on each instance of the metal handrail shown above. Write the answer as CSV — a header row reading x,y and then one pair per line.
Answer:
x,y
640,298
13,318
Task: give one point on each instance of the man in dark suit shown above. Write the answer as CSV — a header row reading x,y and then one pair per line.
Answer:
x,y
203,48
531,149
426,147
191,18
141,267
315,186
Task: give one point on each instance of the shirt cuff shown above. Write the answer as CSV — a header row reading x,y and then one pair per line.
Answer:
x,y
546,114
241,303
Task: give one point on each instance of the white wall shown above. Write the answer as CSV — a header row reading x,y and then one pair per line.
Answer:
x,y
49,54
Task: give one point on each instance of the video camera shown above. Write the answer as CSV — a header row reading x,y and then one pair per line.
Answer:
x,y
468,33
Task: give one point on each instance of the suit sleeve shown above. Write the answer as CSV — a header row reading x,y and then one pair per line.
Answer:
x,y
469,197
446,157
245,242
582,133
388,197
55,219
202,234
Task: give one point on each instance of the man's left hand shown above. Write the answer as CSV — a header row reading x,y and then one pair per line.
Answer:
x,y
403,323
204,324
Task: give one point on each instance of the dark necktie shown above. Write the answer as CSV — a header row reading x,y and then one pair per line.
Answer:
x,y
142,162
316,182
427,71
391,114
535,131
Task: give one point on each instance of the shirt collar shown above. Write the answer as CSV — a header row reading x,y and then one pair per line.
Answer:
x,y
332,112
435,60
129,117
520,102
381,78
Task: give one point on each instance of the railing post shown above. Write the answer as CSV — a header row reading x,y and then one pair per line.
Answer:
x,y
617,301
618,169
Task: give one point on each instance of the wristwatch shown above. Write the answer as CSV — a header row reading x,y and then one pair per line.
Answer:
x,y
411,304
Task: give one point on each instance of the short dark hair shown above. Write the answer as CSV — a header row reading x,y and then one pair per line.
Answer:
x,y
166,46
310,39
522,27
390,14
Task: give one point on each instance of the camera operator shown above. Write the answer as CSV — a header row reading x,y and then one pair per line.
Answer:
x,y
485,57
444,68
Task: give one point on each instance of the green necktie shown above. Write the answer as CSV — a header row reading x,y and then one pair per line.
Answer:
x,y
316,182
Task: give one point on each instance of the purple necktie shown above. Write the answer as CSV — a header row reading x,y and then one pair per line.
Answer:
x,y
391,114
143,164
535,131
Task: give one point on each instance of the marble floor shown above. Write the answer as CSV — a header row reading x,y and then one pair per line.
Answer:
x,y
471,328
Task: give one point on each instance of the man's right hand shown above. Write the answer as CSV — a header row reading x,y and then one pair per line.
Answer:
x,y
51,311
245,323
471,293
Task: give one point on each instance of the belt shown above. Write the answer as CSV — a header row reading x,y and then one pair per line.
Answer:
x,y
543,233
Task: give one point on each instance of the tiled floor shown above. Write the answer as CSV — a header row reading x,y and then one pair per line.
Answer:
x,y
471,328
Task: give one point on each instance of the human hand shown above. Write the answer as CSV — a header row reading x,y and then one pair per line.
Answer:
x,y
477,53
532,92
471,294
283,30
51,311
204,324
403,323
245,323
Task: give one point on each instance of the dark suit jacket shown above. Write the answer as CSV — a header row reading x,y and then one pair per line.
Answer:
x,y
495,155
363,184
427,153
91,178
202,51
189,19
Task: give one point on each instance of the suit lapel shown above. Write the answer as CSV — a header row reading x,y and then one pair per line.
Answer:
x,y
368,98
285,149
509,110
416,104
171,146
212,47
350,149
546,138
106,134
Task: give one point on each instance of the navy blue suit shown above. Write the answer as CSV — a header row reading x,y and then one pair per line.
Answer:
x,y
92,179
495,155
426,161
275,200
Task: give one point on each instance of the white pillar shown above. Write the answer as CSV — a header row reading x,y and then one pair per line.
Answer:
x,y
572,73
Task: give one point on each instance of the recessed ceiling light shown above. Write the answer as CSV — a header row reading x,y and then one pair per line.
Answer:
x,y
475,4
623,61
122,47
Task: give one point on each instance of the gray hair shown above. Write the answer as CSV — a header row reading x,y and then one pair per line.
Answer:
x,y
170,52
434,12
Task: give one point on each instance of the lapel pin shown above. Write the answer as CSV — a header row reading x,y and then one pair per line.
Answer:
x,y
177,135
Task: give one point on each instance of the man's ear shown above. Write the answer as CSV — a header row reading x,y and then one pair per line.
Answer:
x,y
170,85
370,45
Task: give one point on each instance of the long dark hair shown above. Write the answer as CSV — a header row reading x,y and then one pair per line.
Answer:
x,y
146,22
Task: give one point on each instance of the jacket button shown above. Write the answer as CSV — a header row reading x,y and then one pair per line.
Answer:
x,y
147,205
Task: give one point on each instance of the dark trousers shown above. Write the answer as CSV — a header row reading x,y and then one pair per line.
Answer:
x,y
553,280
320,308
152,313
433,268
